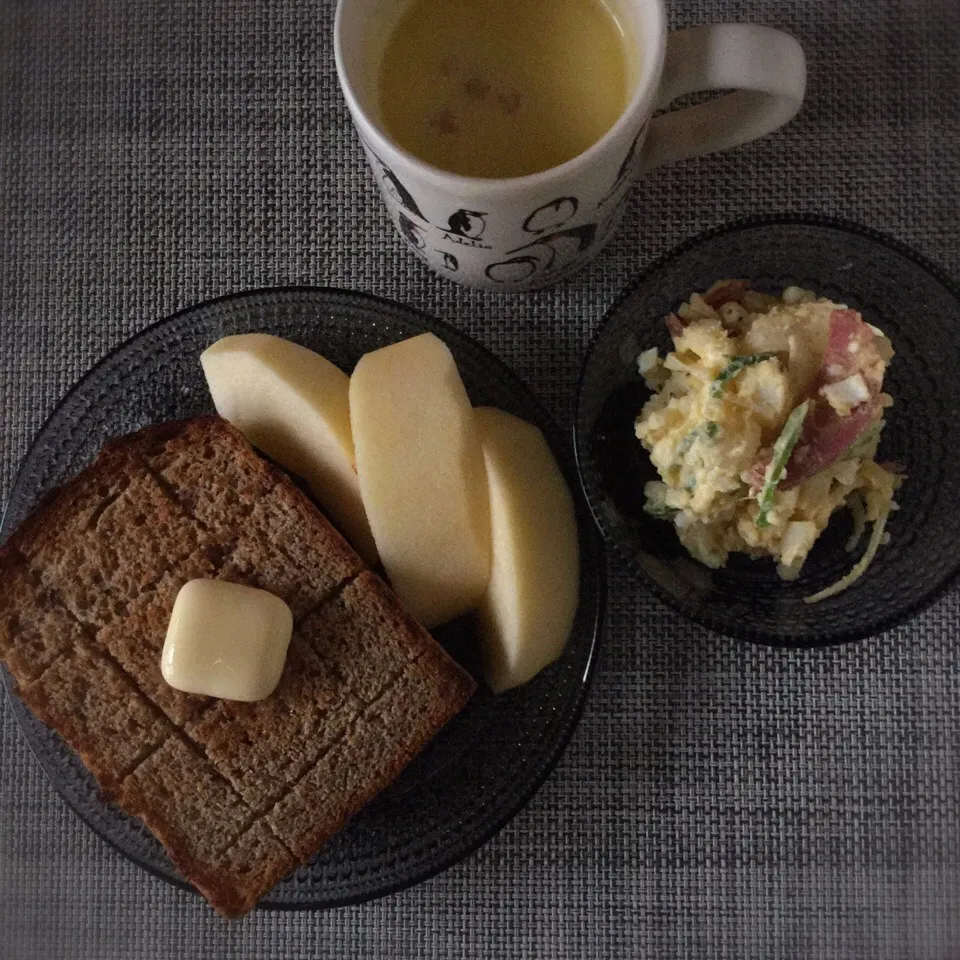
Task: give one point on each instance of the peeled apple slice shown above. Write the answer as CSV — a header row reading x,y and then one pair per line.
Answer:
x,y
527,612
294,405
422,477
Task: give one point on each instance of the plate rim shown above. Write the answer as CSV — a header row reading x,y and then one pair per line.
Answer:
x,y
584,459
590,533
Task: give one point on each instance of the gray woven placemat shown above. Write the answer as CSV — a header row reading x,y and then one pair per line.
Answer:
x,y
718,799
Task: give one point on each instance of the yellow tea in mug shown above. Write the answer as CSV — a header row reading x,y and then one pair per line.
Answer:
x,y
503,88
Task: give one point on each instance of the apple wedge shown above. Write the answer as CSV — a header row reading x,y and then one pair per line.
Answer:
x,y
293,404
527,612
422,477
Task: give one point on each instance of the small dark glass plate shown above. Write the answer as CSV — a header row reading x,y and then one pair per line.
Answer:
x,y
896,290
491,758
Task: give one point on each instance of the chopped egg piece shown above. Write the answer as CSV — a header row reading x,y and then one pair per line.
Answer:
x,y
846,394
647,360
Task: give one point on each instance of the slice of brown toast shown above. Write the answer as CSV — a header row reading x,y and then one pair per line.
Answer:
x,y
238,793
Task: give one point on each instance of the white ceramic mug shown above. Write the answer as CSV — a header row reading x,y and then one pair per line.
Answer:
x,y
526,232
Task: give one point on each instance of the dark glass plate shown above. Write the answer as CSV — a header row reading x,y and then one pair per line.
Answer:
x,y
481,768
897,291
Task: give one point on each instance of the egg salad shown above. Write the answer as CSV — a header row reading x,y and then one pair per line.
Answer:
x,y
765,419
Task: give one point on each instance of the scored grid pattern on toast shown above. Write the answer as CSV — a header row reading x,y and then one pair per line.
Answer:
x,y
324,716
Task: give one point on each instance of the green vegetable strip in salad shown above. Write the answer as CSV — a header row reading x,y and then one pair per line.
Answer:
x,y
782,449
733,368
710,429
873,545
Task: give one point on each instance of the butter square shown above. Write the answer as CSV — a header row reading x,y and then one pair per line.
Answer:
x,y
226,640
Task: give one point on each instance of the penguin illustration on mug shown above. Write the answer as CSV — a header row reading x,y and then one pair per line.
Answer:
x,y
466,227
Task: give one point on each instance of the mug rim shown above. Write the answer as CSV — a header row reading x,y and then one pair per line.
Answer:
x,y
653,15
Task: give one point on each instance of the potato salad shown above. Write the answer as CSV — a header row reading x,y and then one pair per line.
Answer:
x,y
764,420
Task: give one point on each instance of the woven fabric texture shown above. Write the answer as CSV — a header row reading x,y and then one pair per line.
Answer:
x,y
718,799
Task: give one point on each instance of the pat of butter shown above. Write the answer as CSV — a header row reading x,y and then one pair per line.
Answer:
x,y
226,640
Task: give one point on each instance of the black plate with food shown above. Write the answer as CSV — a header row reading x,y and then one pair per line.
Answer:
x,y
484,764
881,293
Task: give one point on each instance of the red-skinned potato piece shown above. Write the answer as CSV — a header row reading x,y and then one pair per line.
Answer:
x,y
851,348
826,436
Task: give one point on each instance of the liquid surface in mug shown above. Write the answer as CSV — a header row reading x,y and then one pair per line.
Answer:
x,y
503,88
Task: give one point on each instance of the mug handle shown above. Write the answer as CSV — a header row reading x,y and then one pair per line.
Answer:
x,y
766,69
